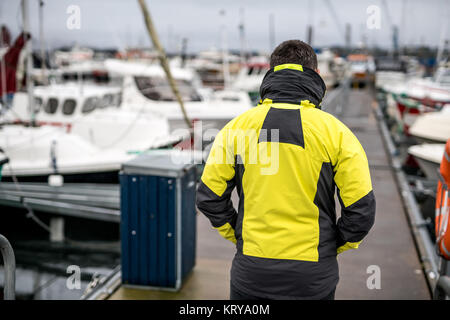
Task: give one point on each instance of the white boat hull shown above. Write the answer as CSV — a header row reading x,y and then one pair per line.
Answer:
x,y
429,157
432,127
42,151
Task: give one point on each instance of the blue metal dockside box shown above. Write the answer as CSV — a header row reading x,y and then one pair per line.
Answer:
x,y
158,220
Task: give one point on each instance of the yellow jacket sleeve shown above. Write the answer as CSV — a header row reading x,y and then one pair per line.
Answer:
x,y
216,185
354,188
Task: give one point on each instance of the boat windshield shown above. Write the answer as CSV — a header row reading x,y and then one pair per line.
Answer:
x,y
158,89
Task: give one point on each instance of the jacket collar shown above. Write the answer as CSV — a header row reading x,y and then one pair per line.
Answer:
x,y
292,83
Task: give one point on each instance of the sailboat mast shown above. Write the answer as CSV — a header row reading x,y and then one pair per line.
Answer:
x,y
443,35
243,51
224,40
163,59
309,28
29,59
41,40
403,28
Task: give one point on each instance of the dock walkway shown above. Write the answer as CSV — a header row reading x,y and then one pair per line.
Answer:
x,y
389,245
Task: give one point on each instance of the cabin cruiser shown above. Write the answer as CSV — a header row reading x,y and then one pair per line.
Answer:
x,y
83,135
362,68
145,86
72,55
431,91
434,91
214,67
94,113
413,97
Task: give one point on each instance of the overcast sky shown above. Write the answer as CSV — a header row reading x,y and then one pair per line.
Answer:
x,y
119,23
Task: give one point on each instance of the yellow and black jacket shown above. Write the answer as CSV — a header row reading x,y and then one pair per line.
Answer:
x,y
286,158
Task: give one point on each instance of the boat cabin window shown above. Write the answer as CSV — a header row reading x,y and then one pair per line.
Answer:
x,y
69,107
109,100
37,104
51,105
117,101
158,89
106,101
89,105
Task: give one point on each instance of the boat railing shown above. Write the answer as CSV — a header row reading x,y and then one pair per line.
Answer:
x,y
84,200
9,289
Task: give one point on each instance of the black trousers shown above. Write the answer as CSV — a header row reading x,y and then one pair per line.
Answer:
x,y
237,295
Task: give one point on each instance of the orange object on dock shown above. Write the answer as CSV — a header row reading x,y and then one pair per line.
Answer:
x,y
443,205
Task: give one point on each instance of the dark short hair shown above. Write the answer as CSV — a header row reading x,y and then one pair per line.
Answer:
x,y
294,51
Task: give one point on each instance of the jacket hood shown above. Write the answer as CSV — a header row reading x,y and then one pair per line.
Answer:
x,y
292,83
